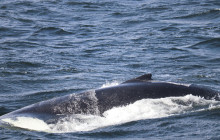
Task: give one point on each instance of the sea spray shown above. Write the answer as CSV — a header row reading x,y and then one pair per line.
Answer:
x,y
142,109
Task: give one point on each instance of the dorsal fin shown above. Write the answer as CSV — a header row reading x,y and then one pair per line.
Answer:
x,y
142,78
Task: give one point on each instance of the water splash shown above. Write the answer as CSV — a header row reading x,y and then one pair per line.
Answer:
x,y
109,84
142,109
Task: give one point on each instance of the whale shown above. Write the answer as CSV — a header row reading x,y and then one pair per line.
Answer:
x,y
96,102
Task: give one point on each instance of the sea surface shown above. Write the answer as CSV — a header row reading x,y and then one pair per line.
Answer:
x,y
51,48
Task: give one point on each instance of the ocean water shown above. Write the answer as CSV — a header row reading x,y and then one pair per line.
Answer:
x,y
51,48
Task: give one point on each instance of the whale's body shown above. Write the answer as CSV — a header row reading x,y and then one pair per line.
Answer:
x,y
96,102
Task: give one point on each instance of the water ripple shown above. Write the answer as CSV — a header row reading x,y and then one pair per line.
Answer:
x,y
213,15
58,47
52,31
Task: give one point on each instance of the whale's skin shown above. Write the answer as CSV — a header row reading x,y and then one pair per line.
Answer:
x,y
96,102
130,92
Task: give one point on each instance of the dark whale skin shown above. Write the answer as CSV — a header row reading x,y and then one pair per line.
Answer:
x,y
96,102
127,93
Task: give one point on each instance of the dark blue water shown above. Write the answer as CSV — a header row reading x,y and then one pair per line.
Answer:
x,y
53,48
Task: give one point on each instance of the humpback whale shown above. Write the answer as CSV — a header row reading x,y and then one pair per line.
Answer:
x,y
96,102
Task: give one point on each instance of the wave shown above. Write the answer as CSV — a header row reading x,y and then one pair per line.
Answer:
x,y
207,15
90,4
140,110
157,8
22,64
206,48
134,22
6,32
9,45
52,30
214,60
210,43
4,29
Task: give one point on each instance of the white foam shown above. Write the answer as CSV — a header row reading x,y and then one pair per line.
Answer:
x,y
109,84
142,109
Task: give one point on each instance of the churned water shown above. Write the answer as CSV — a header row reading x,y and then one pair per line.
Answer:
x,y
51,48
